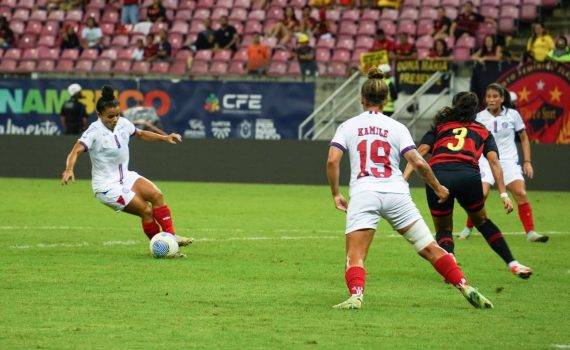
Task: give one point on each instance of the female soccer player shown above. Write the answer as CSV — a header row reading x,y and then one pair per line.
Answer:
x,y
457,142
504,123
375,143
107,141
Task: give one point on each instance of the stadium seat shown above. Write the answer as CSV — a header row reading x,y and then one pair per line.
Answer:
x,y
51,28
183,15
338,69
450,3
58,16
507,25
30,54
13,54
183,56
346,43
201,14
240,55
17,26
176,41
120,41
256,15
532,2
33,27
10,3
465,41
84,66
407,26
170,4
409,13
347,28
366,28
95,13
8,65
220,12
489,11
325,43
70,54
219,68
252,27
89,54
203,55
74,16
364,42
528,13
187,5
510,11
355,59
423,53
275,13
140,68
238,14
269,42
430,3
451,12
227,4
370,14
428,13
199,68
157,27
160,68
411,3
340,55
294,69
550,3
46,66
350,15
110,16
389,15
6,12
27,41
196,26
222,56
48,53
388,27
110,54
21,14
244,4
333,15
425,42
64,66
461,54
425,27
26,66
102,66
205,4
179,27
281,56
323,55
122,66
177,68
39,15
237,68
277,69
511,2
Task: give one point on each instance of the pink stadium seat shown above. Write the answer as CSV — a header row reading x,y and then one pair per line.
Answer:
x,y
425,27
96,14
96,4
350,15
227,4
252,27
241,55
202,14
256,15
13,54
489,11
199,68
108,29
428,13
219,68
281,56
348,28
170,4
51,28
461,54
46,66
528,13
33,27
84,66
279,3
407,26
430,3
203,55
222,56
38,15
64,66
465,41
74,16
298,4
70,54
364,42
183,15
245,4
509,11
125,54
140,68
110,16
511,2
294,69
367,28
550,3
275,13
450,3
325,43
491,3
370,14
236,68
179,27
411,3
476,3
345,43
30,54
160,68
57,15
323,55
277,69
340,55
205,4
196,26
6,12
389,14
89,54
425,42
238,25
388,27
177,68
9,3
487,28
532,2
21,14
338,69
506,25
110,54
27,41
102,66
409,13
120,41
423,53
176,40
46,53
8,65
26,66
122,66
17,26
451,12
333,15
355,59
157,27
220,12
187,5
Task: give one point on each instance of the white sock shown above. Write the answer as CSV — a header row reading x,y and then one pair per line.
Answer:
x,y
514,263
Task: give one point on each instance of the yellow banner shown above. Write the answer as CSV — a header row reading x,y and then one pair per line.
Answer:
x,y
373,59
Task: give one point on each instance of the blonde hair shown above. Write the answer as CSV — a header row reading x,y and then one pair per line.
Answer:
x,y
374,91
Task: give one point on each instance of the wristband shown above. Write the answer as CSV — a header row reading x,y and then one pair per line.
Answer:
x,y
527,161
504,195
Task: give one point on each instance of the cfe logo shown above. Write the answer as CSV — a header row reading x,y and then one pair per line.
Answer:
x,y
232,102
212,103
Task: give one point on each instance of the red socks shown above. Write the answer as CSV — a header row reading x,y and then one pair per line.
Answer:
x,y
163,217
355,278
525,214
447,267
469,223
150,228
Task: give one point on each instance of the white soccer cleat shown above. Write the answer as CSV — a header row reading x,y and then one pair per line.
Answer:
x,y
352,303
465,233
532,236
521,271
475,298
183,241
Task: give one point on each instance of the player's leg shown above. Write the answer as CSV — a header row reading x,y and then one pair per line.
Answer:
x,y
488,181
138,206
518,189
442,215
469,224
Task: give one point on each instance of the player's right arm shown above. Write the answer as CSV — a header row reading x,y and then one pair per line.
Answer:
x,y
333,175
68,176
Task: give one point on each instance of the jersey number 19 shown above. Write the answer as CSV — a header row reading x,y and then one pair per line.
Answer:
x,y
375,157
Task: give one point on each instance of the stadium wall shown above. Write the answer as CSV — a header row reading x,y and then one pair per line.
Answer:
x,y
285,161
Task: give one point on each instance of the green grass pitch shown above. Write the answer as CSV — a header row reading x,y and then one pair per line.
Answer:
x,y
266,267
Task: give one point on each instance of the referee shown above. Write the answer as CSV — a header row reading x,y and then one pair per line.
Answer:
x,y
73,113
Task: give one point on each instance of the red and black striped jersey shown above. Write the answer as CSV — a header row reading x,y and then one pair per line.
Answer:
x,y
459,142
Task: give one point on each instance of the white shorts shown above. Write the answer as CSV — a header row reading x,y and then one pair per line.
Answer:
x,y
366,208
511,171
118,196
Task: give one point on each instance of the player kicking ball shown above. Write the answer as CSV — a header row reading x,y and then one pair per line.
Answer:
x,y
375,143
107,141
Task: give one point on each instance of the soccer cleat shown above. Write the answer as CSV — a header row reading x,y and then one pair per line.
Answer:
x,y
521,271
352,303
183,241
475,298
532,236
465,233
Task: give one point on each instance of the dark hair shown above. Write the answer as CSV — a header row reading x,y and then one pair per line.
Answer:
x,y
464,107
107,99
445,48
534,37
507,103
380,32
374,90
563,37
485,51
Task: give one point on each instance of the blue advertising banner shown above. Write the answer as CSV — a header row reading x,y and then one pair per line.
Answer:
x,y
195,109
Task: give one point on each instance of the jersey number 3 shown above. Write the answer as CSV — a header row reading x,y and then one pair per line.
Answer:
x,y
375,157
460,134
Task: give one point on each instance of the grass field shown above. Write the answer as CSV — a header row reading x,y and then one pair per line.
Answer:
x,y
266,267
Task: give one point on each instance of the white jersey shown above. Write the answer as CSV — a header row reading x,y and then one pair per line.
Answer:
x,y
503,127
375,144
109,153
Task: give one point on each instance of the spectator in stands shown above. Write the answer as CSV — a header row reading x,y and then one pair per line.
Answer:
x,y
306,56
91,35
73,113
156,13
285,28
319,3
389,107
257,56
382,42
307,24
540,44
561,52
206,39
389,3
226,37
490,51
69,38
7,38
323,27
467,22
404,50
144,118
130,12
164,48
150,49
440,51
441,25
138,52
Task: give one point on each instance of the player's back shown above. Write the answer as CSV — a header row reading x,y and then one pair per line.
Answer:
x,y
459,143
375,144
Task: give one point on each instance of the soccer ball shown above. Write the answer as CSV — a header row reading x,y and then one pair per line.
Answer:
x,y
163,245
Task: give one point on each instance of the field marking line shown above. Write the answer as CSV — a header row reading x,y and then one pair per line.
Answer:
x,y
561,346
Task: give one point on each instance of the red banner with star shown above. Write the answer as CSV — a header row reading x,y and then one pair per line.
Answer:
x,y
543,91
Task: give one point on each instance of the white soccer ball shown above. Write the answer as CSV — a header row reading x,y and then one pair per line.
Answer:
x,y
163,245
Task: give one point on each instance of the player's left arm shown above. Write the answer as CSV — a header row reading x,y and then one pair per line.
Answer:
x,y
527,165
422,167
423,150
333,176
153,137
